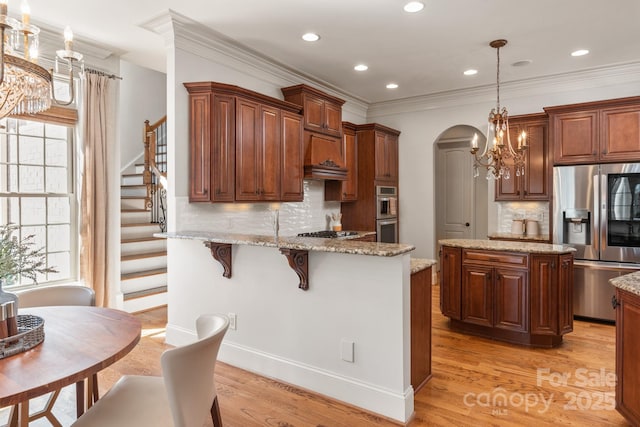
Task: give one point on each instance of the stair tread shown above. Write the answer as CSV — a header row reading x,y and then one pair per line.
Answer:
x,y
144,273
133,197
143,255
133,186
131,174
140,239
134,210
139,224
145,293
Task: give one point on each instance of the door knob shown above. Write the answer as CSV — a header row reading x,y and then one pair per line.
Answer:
x,y
466,224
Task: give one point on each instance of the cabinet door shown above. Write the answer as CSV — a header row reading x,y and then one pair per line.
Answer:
x,y
509,189
620,138
627,350
511,300
477,294
200,148
381,165
565,294
313,113
537,169
450,282
223,159
247,150
392,156
332,118
269,154
292,158
544,295
420,328
575,137
347,190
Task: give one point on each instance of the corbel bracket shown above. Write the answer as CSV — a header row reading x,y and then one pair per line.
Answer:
x,y
221,252
299,262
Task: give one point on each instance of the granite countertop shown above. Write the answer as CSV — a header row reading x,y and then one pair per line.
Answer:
x,y
500,245
629,282
419,264
339,245
524,237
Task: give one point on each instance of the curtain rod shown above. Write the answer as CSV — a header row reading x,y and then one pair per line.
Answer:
x,y
102,73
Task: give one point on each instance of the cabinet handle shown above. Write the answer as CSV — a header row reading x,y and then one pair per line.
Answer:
x,y
205,191
604,151
553,265
344,194
614,302
525,192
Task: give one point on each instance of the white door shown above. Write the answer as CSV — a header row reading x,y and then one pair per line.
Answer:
x,y
454,191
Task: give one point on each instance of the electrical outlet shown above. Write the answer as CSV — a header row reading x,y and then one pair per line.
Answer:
x,y
346,350
233,319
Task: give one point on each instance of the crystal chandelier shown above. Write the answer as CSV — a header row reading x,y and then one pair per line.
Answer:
x,y
498,150
25,86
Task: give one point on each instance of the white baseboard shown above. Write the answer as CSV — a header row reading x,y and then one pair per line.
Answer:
x,y
394,405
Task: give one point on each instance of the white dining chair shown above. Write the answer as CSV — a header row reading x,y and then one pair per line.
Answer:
x,y
182,397
62,295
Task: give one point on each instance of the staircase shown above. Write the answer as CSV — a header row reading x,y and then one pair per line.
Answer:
x,y
143,263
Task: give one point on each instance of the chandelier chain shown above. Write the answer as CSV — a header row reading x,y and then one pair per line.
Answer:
x,y
498,79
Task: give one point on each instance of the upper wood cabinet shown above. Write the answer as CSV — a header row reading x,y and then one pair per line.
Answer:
x,y
322,112
596,132
384,142
536,182
346,191
244,146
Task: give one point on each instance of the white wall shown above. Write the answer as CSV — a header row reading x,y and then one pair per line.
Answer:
x,y
422,120
143,96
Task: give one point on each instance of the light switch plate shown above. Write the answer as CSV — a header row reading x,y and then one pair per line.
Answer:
x,y
346,350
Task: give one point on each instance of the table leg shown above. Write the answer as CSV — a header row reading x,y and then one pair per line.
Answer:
x,y
23,414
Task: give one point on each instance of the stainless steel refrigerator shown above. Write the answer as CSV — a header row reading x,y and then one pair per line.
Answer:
x,y
596,209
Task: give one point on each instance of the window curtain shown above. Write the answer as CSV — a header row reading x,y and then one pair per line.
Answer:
x,y
98,140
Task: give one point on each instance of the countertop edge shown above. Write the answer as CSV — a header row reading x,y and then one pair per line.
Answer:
x,y
501,245
419,264
347,246
629,282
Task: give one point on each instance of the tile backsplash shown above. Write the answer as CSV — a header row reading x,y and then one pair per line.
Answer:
x,y
312,214
508,211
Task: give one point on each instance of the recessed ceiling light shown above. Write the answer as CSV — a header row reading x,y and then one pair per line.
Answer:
x,y
361,67
522,63
470,72
580,52
392,86
310,37
413,6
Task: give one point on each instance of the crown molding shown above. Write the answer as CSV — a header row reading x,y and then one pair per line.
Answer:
x,y
618,74
181,32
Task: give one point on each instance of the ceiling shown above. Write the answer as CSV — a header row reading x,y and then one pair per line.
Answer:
x,y
424,52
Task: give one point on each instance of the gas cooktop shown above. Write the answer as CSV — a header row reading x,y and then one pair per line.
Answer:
x,y
328,234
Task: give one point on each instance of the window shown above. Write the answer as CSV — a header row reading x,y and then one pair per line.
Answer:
x,y
37,191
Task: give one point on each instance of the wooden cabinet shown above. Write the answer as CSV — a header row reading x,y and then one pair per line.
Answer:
x,y
552,294
420,328
627,350
450,273
495,294
244,146
510,296
535,184
361,214
596,132
386,155
346,191
322,112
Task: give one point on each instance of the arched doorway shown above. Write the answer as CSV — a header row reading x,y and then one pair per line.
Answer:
x,y
461,200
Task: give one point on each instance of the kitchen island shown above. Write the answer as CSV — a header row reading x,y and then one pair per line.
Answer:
x,y
518,292
347,336
627,304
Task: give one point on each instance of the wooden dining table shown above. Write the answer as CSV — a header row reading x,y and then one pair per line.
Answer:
x,y
78,342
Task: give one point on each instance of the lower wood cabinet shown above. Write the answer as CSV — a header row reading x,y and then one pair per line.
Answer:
x,y
627,351
510,296
420,328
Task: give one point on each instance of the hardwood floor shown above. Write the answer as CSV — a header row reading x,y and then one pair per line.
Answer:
x,y
574,386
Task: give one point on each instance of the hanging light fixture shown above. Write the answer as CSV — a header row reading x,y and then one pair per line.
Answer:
x,y
498,150
25,86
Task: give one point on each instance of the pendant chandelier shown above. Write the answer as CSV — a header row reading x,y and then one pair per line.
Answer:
x,y
498,153
25,86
